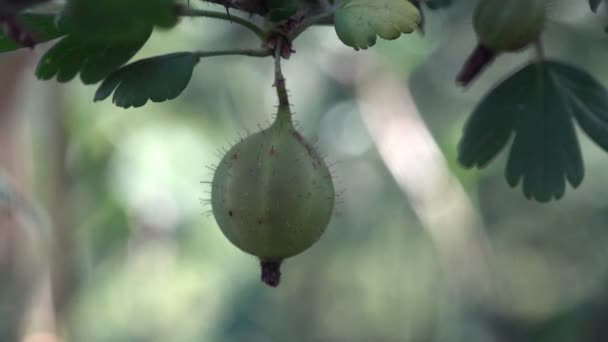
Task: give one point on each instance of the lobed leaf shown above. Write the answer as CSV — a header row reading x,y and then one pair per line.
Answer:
x,y
545,151
536,106
359,22
586,100
94,60
158,79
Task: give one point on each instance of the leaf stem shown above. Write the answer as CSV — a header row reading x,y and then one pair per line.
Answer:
x,y
235,52
193,12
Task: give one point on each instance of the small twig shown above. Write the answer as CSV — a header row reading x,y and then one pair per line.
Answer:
x,y
235,52
193,12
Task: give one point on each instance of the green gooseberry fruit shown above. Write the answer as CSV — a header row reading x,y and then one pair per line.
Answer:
x,y
509,25
273,195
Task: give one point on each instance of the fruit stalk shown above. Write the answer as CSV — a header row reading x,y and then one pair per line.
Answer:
x,y
284,112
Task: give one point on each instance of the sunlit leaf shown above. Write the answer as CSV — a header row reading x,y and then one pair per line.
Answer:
x,y
40,26
94,60
545,151
359,22
158,79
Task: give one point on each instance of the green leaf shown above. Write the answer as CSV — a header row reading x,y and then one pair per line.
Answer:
x,y
536,105
586,99
595,4
94,60
358,22
545,151
158,79
114,20
41,26
281,9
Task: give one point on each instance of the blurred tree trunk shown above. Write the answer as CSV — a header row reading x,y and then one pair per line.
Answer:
x,y
18,252
14,160
16,165
65,274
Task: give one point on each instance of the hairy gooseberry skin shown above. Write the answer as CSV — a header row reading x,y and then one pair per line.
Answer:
x,y
272,194
509,25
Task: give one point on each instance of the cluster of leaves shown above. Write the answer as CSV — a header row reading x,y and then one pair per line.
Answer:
x,y
358,22
535,107
97,39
